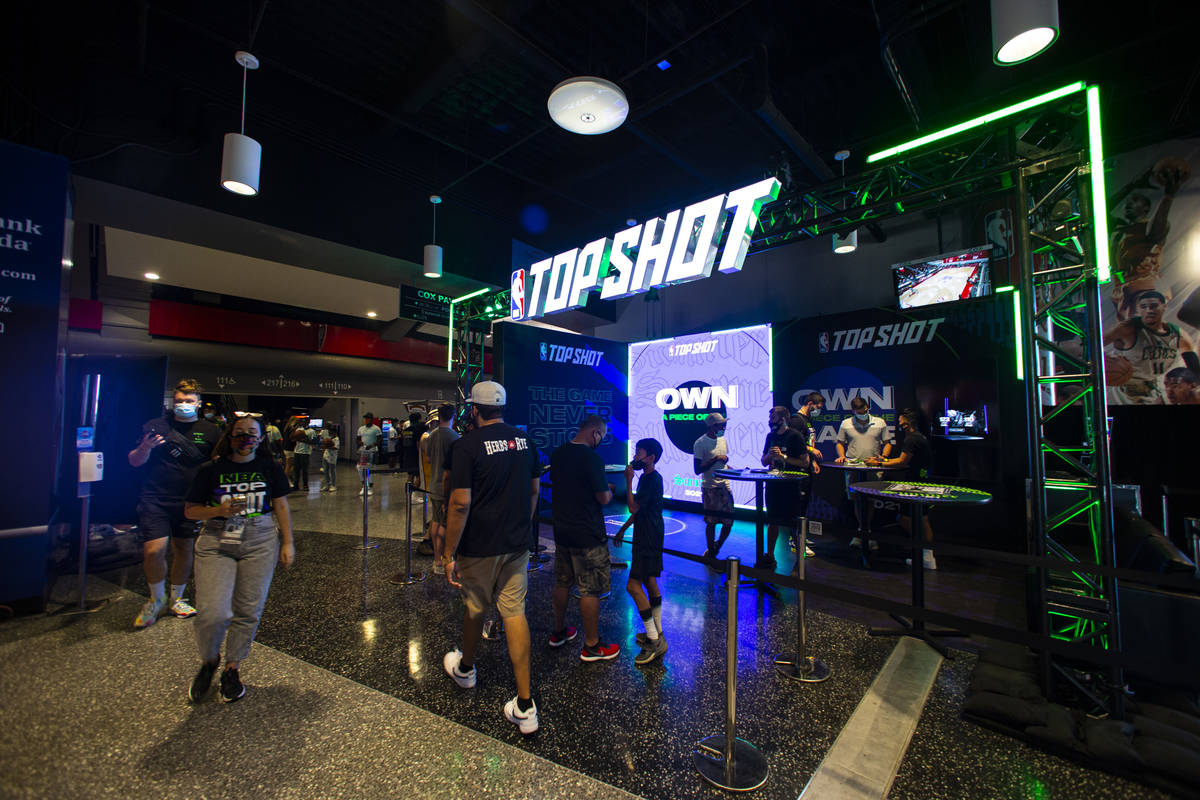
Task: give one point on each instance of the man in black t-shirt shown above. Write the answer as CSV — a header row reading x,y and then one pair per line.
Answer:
x,y
174,446
802,423
494,476
917,457
784,449
581,542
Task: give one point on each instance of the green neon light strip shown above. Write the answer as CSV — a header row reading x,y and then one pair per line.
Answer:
x,y
1099,198
975,123
450,335
1020,334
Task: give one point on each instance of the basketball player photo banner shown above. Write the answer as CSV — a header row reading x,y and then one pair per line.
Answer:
x,y
675,383
1151,310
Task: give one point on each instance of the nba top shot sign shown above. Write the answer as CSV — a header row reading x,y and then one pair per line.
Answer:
x,y
683,246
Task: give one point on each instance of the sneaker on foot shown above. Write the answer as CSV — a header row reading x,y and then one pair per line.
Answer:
x,y
560,638
465,680
641,638
856,541
149,613
360,492
425,548
333,488
182,608
526,721
874,545
231,686
370,492
927,560
652,649
809,552
599,652
202,682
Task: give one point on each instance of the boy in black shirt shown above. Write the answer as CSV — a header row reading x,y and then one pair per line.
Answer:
x,y
646,564
784,449
917,456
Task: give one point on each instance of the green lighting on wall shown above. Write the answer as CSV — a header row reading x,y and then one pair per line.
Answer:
x,y
450,335
1020,334
1099,198
984,120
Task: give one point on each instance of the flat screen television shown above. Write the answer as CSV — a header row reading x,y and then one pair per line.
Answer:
x,y
945,278
315,422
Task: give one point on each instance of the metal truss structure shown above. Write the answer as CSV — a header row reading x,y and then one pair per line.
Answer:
x,y
1044,156
470,322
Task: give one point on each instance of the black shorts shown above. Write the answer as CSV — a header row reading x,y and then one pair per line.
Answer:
x,y
158,519
783,503
645,564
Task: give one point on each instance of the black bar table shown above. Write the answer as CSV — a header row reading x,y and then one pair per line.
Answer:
x,y
918,494
859,467
761,477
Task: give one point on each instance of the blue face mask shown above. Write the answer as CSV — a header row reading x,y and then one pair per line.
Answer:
x,y
185,411
862,417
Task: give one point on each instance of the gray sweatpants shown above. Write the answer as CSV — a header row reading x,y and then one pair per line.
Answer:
x,y
231,588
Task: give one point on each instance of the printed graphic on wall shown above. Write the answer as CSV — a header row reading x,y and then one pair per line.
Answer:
x,y
1151,310
675,383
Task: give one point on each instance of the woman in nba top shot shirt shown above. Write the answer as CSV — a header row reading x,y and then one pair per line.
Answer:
x,y
236,495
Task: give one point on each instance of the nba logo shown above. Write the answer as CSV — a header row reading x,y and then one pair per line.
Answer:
x,y
517,295
823,342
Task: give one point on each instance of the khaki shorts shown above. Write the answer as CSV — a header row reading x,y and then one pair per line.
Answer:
x,y
495,580
589,568
717,498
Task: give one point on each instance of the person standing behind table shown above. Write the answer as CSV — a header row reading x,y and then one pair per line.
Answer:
x,y
275,440
710,453
330,445
645,565
801,421
303,437
784,448
368,444
174,446
916,456
494,477
861,436
235,495
581,541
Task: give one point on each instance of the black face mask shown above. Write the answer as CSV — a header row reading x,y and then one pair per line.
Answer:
x,y
637,464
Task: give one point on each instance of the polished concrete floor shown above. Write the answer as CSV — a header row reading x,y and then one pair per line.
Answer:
x,y
346,686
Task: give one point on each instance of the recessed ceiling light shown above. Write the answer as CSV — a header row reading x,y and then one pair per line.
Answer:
x,y
152,276
372,314
588,105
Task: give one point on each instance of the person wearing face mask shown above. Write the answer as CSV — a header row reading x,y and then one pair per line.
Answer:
x,y
240,497
814,403
581,542
172,448
784,449
710,453
917,457
862,436
494,478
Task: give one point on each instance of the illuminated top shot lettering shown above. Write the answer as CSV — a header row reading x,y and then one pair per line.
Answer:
x,y
683,246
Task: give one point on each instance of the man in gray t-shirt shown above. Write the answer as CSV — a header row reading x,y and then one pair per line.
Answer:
x,y
437,448
710,453
860,437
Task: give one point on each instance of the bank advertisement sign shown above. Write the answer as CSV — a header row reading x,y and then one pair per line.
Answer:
x,y
675,383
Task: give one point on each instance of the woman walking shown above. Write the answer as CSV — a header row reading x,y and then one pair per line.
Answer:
x,y
236,494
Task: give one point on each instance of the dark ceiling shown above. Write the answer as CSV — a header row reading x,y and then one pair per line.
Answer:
x,y
366,107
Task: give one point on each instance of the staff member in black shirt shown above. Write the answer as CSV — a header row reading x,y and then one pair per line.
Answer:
x,y
783,449
494,476
917,456
174,446
581,551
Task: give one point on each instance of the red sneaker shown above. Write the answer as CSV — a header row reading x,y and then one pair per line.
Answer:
x,y
562,637
599,652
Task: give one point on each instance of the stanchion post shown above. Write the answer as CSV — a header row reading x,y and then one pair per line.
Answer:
x,y
723,759
367,544
409,578
801,666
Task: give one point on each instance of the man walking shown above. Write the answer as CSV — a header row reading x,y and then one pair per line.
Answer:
x,y
175,446
581,542
494,478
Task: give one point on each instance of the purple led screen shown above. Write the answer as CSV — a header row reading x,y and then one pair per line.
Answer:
x,y
675,383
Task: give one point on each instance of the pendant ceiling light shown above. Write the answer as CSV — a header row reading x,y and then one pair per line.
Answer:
x,y
588,105
241,156
844,242
1021,29
433,253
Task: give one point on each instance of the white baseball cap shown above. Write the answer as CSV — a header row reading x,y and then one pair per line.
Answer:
x,y
488,393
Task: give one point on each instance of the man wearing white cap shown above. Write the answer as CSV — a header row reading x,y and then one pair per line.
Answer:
x,y
494,474
710,453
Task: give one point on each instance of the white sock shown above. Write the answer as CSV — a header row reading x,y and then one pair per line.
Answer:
x,y
177,591
158,591
651,628
657,611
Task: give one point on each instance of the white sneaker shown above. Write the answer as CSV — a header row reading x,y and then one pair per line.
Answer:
x,y
856,541
360,492
526,721
333,488
370,492
450,662
809,552
874,545
927,560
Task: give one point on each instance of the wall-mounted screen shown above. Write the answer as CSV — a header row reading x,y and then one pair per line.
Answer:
x,y
944,279
315,422
675,383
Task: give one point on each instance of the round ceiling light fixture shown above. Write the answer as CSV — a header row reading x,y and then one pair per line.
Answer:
x,y
241,156
151,276
587,105
1021,29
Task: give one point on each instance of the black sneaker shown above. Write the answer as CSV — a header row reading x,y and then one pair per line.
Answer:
x,y
231,686
560,638
202,682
